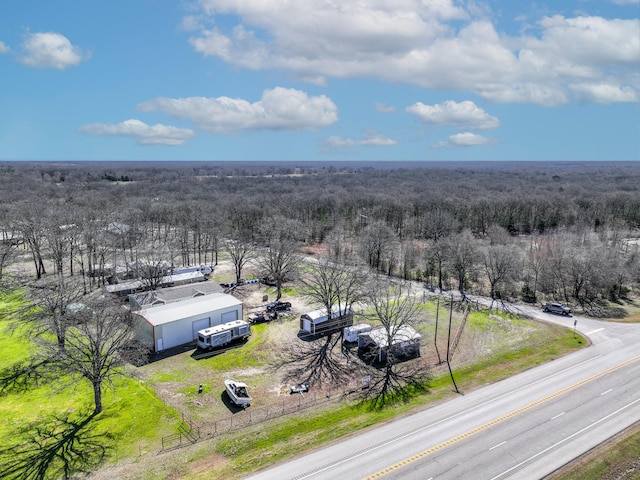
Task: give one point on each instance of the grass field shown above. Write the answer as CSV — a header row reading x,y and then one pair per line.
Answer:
x,y
57,415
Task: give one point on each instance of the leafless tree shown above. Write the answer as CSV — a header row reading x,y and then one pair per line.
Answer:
x,y
334,286
94,345
278,260
391,378
461,256
153,261
241,254
57,298
32,226
499,263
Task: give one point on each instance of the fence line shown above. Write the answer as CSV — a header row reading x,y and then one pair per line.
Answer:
x,y
243,419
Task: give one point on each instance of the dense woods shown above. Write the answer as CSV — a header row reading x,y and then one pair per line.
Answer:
x,y
522,230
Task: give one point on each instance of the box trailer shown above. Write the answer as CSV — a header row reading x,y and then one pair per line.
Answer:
x,y
220,335
318,322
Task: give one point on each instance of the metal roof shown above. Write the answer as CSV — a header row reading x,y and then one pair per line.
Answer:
x,y
188,308
404,333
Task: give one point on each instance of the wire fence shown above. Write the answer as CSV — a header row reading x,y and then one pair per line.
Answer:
x,y
190,433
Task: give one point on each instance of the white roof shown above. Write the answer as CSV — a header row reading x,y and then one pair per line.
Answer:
x,y
404,333
321,313
135,284
191,307
223,327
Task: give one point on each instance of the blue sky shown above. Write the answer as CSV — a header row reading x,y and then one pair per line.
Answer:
x,y
319,80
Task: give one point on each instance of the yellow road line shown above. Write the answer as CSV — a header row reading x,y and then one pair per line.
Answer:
x,y
496,421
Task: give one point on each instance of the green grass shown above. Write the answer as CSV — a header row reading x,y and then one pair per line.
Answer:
x,y
133,420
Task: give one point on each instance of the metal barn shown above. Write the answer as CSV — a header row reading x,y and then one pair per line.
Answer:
x,y
178,323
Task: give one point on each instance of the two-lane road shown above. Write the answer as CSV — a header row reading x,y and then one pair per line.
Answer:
x,y
523,427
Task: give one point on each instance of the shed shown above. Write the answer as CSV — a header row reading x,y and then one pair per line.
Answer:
x,y
178,323
317,321
405,342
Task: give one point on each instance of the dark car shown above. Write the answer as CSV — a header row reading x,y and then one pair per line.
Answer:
x,y
278,307
556,308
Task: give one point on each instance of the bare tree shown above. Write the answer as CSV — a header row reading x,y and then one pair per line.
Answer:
x,y
499,263
94,345
278,259
461,256
241,254
57,298
334,286
396,310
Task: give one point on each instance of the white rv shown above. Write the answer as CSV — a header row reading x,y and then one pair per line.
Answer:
x,y
220,335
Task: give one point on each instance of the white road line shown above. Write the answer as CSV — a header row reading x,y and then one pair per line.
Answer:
x,y
557,416
604,393
498,445
594,331
565,439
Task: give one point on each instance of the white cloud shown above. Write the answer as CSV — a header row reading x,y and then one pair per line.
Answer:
x,y
3,48
626,2
462,115
372,140
466,139
604,92
143,134
50,50
383,108
278,109
439,45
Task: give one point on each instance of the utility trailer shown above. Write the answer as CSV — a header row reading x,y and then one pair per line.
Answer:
x,y
220,335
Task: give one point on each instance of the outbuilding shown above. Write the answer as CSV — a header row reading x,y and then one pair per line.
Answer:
x,y
405,342
166,326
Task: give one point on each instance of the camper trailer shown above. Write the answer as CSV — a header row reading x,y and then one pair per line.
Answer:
x,y
351,333
220,335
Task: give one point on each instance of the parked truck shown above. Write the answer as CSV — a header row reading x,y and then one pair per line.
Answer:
x,y
213,337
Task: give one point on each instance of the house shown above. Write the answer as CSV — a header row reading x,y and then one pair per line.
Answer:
x,y
166,326
164,296
405,342
318,322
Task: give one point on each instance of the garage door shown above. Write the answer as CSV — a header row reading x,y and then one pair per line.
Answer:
x,y
229,316
199,325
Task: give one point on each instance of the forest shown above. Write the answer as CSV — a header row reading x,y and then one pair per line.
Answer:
x,y
531,231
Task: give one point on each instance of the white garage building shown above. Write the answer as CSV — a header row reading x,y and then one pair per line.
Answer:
x,y
177,323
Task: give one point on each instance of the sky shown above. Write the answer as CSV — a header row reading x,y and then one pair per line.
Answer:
x,y
295,80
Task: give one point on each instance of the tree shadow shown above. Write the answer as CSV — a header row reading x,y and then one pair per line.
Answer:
x,y
56,447
24,376
393,380
322,360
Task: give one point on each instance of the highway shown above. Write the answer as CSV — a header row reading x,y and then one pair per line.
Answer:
x,y
523,427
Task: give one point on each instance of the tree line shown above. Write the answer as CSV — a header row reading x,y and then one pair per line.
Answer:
x,y
558,230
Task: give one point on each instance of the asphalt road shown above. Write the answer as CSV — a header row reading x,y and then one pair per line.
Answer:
x,y
524,427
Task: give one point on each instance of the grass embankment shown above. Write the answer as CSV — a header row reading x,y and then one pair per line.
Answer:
x,y
40,417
